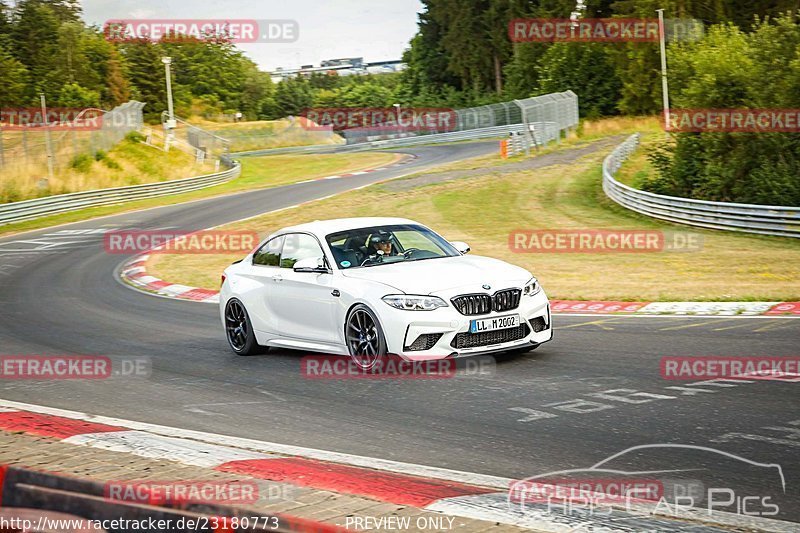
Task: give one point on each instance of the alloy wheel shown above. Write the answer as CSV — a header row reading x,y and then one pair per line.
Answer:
x,y
236,325
362,339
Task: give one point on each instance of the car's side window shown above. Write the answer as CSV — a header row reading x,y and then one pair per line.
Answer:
x,y
270,253
299,246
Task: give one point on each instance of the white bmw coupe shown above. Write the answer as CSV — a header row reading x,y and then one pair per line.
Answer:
x,y
371,287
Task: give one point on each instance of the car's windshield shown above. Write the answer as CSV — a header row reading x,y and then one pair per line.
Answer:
x,y
382,245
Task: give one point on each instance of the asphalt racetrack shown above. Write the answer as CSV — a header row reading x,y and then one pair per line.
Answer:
x,y
592,392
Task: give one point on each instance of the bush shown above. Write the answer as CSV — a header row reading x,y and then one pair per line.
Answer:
x,y
9,193
110,163
135,137
732,69
82,163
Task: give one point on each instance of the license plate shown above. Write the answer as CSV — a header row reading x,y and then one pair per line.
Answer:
x,y
492,324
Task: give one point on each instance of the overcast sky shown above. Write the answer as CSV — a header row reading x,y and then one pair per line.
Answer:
x,y
376,30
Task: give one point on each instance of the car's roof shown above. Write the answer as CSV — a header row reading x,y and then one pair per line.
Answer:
x,y
325,227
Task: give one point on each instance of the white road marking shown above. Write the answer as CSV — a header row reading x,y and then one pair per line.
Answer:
x,y
270,394
153,446
531,414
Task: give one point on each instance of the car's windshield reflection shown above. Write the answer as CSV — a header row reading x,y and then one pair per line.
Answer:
x,y
381,245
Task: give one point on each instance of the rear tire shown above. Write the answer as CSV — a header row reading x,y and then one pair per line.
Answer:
x,y
239,330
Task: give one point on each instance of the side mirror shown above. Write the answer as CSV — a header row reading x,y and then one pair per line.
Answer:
x,y
311,264
462,247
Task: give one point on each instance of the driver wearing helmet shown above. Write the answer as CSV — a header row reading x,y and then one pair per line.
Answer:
x,y
381,242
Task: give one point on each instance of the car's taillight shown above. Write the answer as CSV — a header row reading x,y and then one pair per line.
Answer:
x,y
221,283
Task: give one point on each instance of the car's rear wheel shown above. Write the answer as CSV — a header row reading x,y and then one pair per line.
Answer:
x,y
239,330
365,340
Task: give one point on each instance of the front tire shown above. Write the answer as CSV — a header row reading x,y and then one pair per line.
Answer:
x,y
365,340
239,329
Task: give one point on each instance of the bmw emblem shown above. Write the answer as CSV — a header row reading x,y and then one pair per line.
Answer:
x,y
486,286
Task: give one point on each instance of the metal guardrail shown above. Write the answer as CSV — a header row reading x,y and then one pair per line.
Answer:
x,y
750,218
62,203
543,132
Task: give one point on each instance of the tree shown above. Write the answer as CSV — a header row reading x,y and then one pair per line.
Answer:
x,y
587,67
75,96
257,94
142,60
365,95
731,69
5,23
34,33
117,87
14,80
292,96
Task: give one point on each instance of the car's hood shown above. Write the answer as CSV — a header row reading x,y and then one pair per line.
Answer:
x,y
444,275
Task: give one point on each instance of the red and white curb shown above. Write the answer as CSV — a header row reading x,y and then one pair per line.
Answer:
x,y
451,492
135,273
677,308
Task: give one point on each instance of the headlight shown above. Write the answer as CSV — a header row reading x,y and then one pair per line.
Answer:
x,y
532,288
411,302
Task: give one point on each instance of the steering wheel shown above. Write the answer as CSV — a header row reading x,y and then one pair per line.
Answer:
x,y
377,258
408,252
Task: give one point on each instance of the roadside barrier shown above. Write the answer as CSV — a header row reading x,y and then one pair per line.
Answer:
x,y
749,218
63,203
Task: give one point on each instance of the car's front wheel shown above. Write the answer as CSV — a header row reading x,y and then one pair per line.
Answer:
x,y
239,329
365,340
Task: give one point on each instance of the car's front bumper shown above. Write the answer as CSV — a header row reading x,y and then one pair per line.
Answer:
x,y
403,328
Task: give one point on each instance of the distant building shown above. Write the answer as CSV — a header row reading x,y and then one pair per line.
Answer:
x,y
354,62
346,66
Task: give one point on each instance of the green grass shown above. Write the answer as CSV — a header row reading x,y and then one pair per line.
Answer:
x,y
129,162
261,134
485,209
638,167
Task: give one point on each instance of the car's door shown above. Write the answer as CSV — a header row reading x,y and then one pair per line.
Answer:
x,y
307,299
265,272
